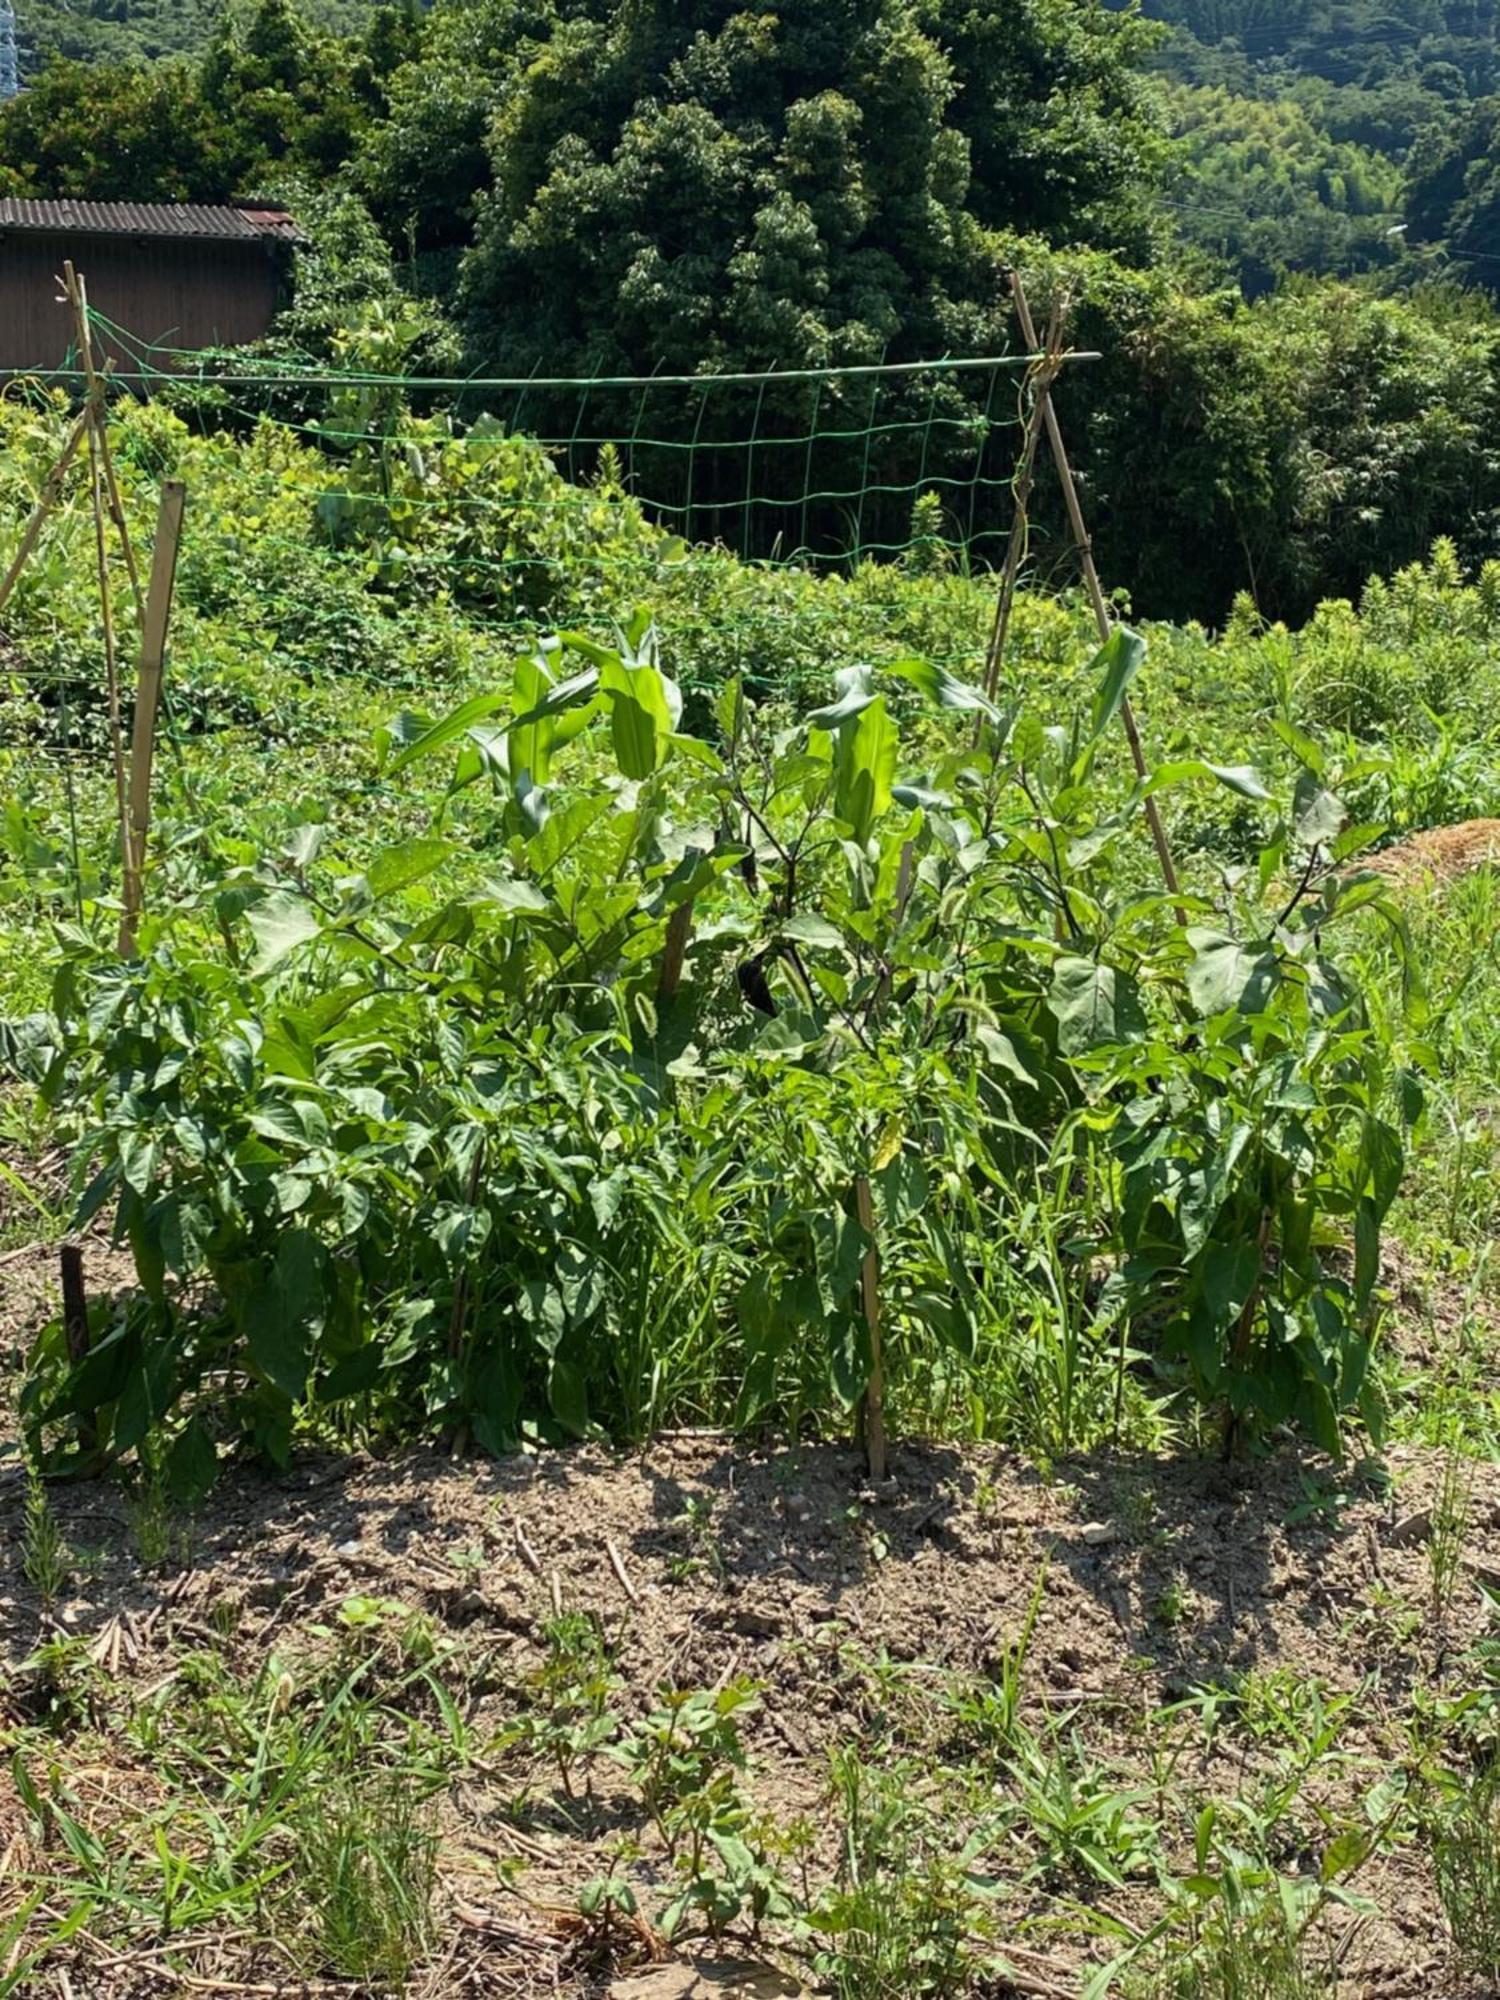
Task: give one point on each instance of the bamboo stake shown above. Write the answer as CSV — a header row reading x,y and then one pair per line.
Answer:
x,y
1044,375
873,1406
47,500
111,660
674,951
1083,542
77,291
148,701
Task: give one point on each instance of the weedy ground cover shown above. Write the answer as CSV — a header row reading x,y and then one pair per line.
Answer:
x,y
929,1745
530,987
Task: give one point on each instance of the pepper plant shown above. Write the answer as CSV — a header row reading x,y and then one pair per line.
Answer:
x,y
551,1115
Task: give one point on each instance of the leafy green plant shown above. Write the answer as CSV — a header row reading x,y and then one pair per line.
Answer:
x,y
1466,1858
908,1912
682,1757
1083,1824
570,1720
494,1132
1449,1529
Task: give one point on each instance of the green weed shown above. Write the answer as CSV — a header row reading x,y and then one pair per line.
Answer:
x,y
365,1874
1466,1860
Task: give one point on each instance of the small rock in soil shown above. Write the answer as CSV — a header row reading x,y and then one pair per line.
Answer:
x,y
1415,1528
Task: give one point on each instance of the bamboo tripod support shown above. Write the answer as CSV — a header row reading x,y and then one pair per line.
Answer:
x,y
1084,547
1043,376
132,779
152,664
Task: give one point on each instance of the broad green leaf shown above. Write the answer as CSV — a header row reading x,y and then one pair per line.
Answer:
x,y
1302,746
285,1310
281,922
1318,815
865,768
546,701
524,898
1242,779
645,708
850,1358
856,691
449,729
1228,1274
942,689
1094,1006
398,867
1225,974
730,709
816,932
192,1464
1115,666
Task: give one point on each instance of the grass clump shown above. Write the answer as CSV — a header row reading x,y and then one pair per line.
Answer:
x,y
366,1869
1467,1864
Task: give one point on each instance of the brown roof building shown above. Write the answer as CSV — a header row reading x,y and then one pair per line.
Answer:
x,y
168,275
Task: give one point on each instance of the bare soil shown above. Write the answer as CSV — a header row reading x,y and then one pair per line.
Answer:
x,y
1161,1576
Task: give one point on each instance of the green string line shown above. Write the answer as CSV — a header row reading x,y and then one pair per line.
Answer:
x,y
311,375
984,444
687,520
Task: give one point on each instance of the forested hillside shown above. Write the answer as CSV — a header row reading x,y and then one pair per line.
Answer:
x,y
124,30
1334,135
545,187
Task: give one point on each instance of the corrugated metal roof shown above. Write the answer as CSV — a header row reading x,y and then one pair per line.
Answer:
x,y
199,220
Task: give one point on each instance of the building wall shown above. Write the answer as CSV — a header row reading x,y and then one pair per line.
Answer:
x,y
171,291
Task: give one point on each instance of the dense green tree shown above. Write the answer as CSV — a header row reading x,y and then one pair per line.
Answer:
x,y
94,132
1454,195
423,166
136,30
1261,186
270,93
1290,448
686,184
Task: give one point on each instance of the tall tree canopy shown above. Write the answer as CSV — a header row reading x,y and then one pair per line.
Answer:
x,y
688,183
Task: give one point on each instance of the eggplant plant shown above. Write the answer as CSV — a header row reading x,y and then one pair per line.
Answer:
x,y
551,1118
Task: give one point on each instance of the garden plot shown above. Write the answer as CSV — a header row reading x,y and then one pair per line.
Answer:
x,y
978,1711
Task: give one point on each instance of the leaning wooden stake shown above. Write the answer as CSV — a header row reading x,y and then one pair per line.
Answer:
x,y
873,1406
1083,542
1043,376
50,494
148,702
78,298
111,656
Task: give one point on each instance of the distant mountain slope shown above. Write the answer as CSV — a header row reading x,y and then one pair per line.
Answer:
x,y
1349,43
114,30
1361,42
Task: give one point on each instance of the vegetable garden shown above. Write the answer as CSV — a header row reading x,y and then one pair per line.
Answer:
x,y
598,994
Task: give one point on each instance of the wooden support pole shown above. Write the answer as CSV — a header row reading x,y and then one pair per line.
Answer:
x,y
77,293
873,1407
111,657
47,500
76,1324
148,701
1043,376
98,456
674,951
1083,542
